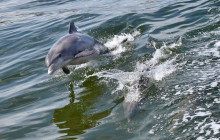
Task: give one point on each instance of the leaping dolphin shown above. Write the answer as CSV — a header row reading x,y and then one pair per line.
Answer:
x,y
72,49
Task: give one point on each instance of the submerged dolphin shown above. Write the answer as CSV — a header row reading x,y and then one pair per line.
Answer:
x,y
145,85
72,49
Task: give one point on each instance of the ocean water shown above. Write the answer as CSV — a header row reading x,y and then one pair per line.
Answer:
x,y
162,84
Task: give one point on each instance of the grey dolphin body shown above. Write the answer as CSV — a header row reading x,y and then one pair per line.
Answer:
x,y
72,49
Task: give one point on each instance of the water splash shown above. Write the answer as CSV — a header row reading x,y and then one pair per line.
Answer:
x,y
162,63
115,43
115,46
158,67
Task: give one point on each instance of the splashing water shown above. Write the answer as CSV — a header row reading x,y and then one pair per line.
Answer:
x,y
153,68
157,67
115,43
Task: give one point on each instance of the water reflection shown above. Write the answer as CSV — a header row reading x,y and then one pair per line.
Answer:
x,y
84,111
87,108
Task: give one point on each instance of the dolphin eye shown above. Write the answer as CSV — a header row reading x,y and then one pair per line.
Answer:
x,y
59,55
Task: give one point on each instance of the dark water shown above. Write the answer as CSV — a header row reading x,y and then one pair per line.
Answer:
x,y
165,77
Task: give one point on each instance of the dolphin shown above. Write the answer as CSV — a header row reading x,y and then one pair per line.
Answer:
x,y
73,49
145,85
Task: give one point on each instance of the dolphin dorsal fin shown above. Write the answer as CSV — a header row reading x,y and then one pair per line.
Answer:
x,y
72,28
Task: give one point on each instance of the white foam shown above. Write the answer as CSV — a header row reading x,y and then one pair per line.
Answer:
x,y
215,32
126,80
217,44
201,114
178,93
200,138
133,95
158,67
163,70
214,126
207,51
123,77
115,43
164,52
151,131
214,84
217,101
206,125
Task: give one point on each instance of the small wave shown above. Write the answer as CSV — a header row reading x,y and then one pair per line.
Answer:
x,y
205,124
198,98
211,49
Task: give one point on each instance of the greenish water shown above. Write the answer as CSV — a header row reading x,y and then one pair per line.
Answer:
x,y
165,77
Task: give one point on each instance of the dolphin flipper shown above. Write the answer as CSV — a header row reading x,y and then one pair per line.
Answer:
x,y
66,70
85,53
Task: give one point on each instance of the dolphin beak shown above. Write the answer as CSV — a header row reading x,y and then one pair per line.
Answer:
x,y
51,69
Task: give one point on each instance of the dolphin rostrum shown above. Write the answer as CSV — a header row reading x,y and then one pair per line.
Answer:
x,y
72,49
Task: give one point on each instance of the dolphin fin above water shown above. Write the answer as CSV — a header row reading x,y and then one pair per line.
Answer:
x,y
73,49
72,28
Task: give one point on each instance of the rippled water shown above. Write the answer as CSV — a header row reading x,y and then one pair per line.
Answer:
x,y
163,83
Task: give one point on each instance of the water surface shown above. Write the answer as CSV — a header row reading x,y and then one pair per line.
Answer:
x,y
163,83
